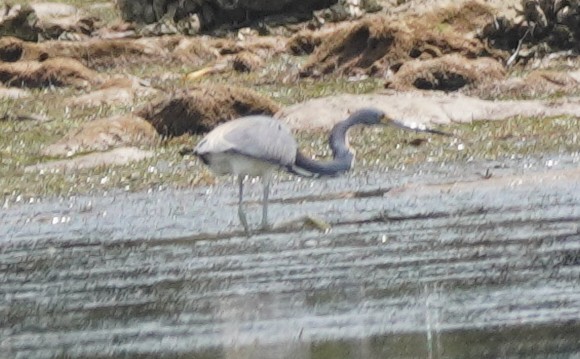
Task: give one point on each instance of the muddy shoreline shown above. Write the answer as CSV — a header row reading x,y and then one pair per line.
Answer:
x,y
419,262
163,212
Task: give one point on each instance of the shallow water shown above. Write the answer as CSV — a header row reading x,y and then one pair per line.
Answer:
x,y
437,263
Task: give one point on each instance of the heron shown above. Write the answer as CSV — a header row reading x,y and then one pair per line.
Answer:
x,y
258,145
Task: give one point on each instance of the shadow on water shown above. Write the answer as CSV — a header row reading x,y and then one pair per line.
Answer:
x,y
462,270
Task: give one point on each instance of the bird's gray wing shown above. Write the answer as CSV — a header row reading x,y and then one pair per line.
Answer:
x,y
259,137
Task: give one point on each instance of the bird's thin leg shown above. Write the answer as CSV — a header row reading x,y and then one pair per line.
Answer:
x,y
266,183
241,213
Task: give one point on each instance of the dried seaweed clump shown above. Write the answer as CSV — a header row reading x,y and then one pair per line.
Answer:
x,y
52,72
102,135
200,109
368,46
538,83
446,73
92,53
376,44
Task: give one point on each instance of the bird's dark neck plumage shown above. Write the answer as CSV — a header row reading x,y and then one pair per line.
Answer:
x,y
342,156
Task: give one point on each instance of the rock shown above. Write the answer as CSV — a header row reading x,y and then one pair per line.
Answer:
x,y
257,5
40,21
201,108
18,21
346,9
104,134
54,9
419,108
116,157
541,26
215,13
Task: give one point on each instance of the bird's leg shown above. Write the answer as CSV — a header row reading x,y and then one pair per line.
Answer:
x,y
266,181
241,213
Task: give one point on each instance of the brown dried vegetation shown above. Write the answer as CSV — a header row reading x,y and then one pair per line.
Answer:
x,y
539,83
446,73
108,53
52,72
13,49
104,134
247,62
200,109
117,90
305,42
379,43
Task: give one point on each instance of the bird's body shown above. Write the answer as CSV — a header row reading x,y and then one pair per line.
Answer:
x,y
259,145
252,146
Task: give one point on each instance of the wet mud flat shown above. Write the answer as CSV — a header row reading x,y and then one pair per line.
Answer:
x,y
433,262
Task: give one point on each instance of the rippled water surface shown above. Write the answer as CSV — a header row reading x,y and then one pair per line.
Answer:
x,y
417,265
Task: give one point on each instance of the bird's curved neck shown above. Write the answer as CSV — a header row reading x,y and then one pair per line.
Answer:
x,y
342,156
338,139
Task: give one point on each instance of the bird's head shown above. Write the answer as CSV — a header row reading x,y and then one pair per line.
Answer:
x,y
371,116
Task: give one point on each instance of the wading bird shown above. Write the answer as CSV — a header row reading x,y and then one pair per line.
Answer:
x,y
258,145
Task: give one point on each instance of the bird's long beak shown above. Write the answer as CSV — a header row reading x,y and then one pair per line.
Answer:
x,y
412,126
